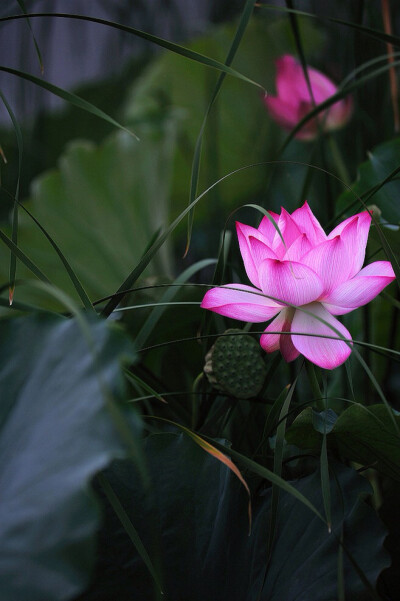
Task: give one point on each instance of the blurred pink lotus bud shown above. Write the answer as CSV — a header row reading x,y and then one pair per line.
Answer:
x,y
293,99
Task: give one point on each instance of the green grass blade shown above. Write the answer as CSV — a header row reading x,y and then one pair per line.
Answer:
x,y
375,33
267,474
194,178
14,235
128,527
325,481
176,48
22,257
139,384
217,451
152,320
278,458
73,277
340,577
147,257
39,55
68,96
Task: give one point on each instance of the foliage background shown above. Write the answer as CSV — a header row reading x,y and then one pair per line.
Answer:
x,y
79,391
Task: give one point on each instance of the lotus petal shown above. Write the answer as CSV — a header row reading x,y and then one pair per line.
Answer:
x,y
289,282
275,341
309,224
329,352
240,302
244,232
361,289
331,261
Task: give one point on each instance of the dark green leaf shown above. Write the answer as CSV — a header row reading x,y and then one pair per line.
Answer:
x,y
302,432
56,433
100,211
367,435
194,521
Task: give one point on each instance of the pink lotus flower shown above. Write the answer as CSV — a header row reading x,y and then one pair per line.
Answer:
x,y
319,274
293,101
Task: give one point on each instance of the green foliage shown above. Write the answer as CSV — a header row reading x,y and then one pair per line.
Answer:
x,y
231,141
106,218
366,435
102,206
382,161
200,543
56,432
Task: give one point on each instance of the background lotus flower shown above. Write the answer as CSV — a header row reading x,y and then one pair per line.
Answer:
x,y
293,100
302,266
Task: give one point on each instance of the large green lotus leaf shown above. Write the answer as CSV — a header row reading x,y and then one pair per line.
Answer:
x,y
102,206
56,433
239,131
303,431
194,523
369,435
382,160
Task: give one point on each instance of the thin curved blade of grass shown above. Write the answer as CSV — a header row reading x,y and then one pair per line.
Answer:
x,y
374,347
141,266
297,38
194,177
152,320
128,527
39,55
363,199
223,252
271,219
176,48
278,458
375,33
275,412
340,577
365,66
73,277
68,96
350,380
138,383
158,304
14,221
385,244
216,451
325,481
126,286
22,257
267,474
324,463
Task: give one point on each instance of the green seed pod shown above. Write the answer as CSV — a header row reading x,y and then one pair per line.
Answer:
x,y
234,365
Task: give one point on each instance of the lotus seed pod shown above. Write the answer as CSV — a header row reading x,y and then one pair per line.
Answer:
x,y
234,365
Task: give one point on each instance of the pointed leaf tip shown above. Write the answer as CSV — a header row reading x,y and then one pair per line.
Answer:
x,y
3,156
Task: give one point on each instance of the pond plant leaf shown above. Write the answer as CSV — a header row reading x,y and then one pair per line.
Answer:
x,y
56,433
203,549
